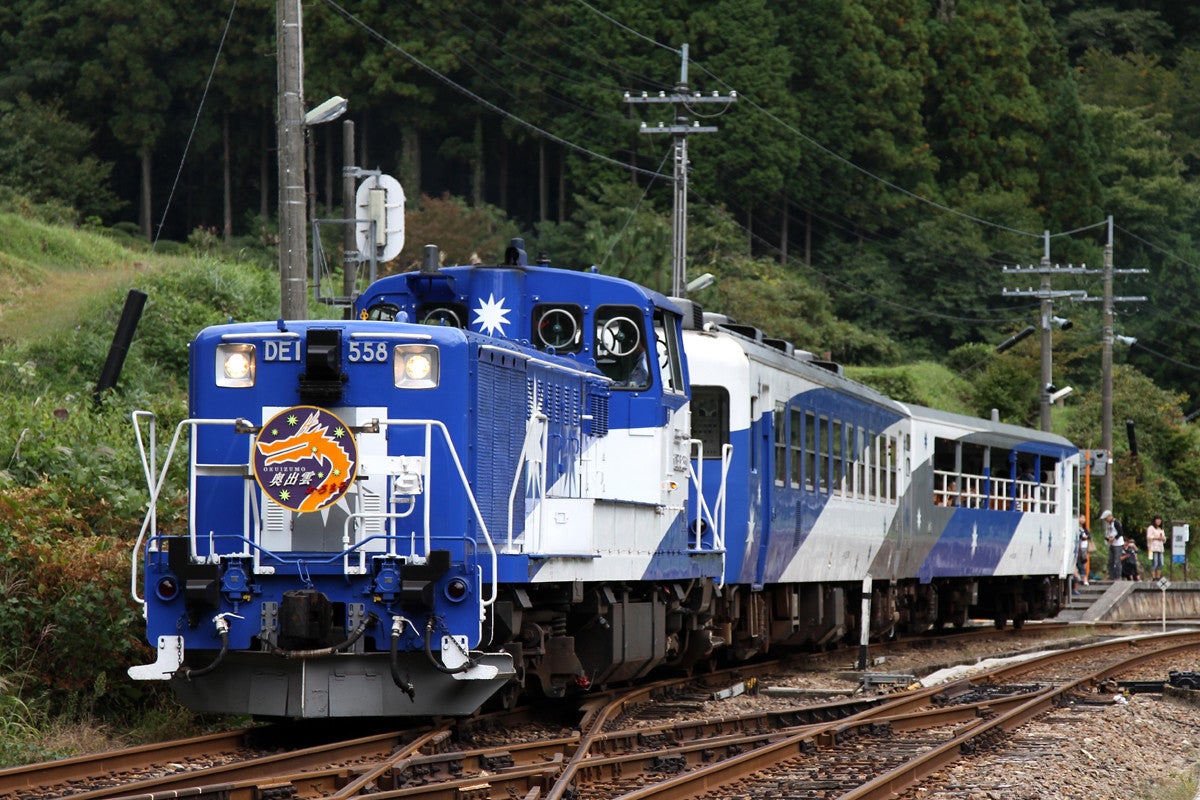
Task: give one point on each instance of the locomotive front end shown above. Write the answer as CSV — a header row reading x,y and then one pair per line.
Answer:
x,y
335,561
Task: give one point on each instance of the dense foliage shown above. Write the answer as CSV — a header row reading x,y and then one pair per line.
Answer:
x,y
895,154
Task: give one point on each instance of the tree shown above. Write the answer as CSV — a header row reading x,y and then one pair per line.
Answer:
x,y
46,156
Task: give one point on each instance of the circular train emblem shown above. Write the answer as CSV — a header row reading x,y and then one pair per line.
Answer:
x,y
305,458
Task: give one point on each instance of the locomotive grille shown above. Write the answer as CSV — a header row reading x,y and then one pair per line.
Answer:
x,y
598,408
502,409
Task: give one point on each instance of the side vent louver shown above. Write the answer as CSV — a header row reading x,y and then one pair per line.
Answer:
x,y
782,345
749,331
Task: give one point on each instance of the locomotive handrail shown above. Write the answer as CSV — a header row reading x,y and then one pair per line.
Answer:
x,y
150,471
716,517
156,483
429,424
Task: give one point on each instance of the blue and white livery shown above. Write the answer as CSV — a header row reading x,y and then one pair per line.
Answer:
x,y
509,477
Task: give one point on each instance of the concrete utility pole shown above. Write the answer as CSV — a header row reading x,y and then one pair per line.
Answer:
x,y
1106,360
1046,294
682,100
293,237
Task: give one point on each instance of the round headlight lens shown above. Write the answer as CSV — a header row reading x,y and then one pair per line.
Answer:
x,y
417,367
237,365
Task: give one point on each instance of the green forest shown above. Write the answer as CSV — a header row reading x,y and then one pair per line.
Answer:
x,y
877,177
893,155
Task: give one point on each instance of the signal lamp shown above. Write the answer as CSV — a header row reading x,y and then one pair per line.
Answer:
x,y
456,590
167,589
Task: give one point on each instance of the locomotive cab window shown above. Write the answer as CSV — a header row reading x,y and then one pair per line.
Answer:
x,y
620,347
447,315
385,312
558,328
666,346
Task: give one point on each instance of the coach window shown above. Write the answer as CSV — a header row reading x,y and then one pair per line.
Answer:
x,y
893,458
666,345
823,448
780,419
620,347
710,418
873,440
795,445
810,449
972,467
945,472
860,462
837,450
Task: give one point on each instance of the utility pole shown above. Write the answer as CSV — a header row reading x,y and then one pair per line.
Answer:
x,y
1106,360
1046,294
681,99
349,209
293,238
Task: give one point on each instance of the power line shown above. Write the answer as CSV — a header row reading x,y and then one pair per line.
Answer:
x,y
483,102
195,123
837,156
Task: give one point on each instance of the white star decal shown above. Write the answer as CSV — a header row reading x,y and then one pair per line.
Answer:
x,y
974,539
492,316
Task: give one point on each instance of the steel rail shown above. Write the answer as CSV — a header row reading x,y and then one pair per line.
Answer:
x,y
890,783
315,758
720,775
77,768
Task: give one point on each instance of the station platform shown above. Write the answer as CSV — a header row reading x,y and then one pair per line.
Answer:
x,y
1132,601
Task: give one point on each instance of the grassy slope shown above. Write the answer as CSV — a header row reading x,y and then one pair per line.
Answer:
x,y
52,274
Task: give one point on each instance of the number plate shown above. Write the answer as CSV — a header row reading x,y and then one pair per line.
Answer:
x,y
365,351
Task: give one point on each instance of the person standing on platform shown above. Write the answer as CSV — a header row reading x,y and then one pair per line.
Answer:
x,y
1114,534
1083,549
1156,540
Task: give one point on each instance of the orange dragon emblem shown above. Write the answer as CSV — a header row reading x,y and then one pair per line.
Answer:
x,y
305,458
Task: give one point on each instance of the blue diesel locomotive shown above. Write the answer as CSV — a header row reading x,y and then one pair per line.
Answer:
x,y
510,477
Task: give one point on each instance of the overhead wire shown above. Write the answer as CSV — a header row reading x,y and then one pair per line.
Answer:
x,y
195,123
482,101
824,149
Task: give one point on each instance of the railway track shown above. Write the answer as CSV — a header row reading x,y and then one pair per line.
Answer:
x,y
657,740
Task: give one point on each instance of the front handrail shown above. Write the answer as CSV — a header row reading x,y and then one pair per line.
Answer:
x,y
157,478
155,483
462,476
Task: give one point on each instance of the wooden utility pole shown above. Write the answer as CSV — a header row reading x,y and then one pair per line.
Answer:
x,y
293,237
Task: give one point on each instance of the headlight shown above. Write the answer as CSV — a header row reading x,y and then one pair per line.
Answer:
x,y
235,365
415,366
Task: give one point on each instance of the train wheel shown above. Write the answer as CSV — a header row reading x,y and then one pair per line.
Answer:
x,y
999,623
